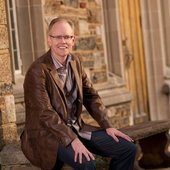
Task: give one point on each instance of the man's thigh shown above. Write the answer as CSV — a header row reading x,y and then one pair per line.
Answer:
x,y
103,144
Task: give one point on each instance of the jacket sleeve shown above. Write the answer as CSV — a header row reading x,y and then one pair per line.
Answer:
x,y
40,115
93,103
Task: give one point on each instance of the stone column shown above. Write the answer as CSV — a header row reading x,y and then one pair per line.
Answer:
x,y
154,14
7,106
8,130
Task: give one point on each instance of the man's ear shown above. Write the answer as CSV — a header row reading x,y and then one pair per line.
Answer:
x,y
48,40
74,40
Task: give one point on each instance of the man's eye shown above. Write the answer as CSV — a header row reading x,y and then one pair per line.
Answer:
x,y
59,37
66,37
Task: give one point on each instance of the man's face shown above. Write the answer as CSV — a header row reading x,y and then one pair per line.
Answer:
x,y
61,39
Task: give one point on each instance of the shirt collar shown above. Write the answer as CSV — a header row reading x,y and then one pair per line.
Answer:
x,y
58,64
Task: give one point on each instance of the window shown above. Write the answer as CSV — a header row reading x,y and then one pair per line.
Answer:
x,y
13,32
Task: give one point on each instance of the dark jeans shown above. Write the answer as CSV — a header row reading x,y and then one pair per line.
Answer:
x,y
122,153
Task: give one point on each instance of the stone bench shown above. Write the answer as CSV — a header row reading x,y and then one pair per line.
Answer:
x,y
152,139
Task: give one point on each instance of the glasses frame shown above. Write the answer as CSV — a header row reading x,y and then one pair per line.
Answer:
x,y
66,38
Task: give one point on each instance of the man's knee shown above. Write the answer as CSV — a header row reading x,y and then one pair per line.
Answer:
x,y
87,165
133,149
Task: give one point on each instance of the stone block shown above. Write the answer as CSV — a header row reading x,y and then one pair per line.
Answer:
x,y
121,115
85,43
94,15
8,109
4,43
3,19
83,27
98,75
10,134
5,70
72,3
99,60
5,89
51,7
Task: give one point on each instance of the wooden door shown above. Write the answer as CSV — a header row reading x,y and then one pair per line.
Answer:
x,y
132,42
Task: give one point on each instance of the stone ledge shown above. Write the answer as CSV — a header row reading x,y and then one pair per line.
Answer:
x,y
12,155
20,167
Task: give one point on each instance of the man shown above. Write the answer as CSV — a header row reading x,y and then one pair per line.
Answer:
x,y
56,87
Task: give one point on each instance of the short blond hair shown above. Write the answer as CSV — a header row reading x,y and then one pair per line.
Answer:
x,y
57,20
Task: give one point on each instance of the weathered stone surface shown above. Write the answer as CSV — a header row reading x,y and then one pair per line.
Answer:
x,y
3,12
99,61
84,27
98,75
121,115
115,116
8,109
51,6
94,15
5,88
2,143
4,43
20,167
5,70
12,155
85,43
72,3
10,134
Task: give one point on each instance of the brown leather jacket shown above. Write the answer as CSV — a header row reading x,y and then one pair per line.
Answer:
x,y
46,110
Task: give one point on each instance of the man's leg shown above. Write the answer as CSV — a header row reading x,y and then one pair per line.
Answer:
x,y
66,155
122,152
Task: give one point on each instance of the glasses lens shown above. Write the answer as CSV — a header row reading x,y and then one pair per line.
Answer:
x,y
60,37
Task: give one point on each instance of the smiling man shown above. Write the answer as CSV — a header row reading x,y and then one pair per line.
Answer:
x,y
56,88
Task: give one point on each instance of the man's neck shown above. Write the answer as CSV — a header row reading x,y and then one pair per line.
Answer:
x,y
61,60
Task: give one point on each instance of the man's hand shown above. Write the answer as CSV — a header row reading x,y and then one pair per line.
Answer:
x,y
114,133
80,150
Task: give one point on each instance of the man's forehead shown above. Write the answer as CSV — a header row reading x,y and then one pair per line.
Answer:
x,y
62,26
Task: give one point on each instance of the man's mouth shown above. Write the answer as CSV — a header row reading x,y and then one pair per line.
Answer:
x,y
63,47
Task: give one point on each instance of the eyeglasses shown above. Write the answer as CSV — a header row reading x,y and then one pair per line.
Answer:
x,y
60,37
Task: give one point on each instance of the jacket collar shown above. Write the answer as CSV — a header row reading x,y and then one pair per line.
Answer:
x,y
54,74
